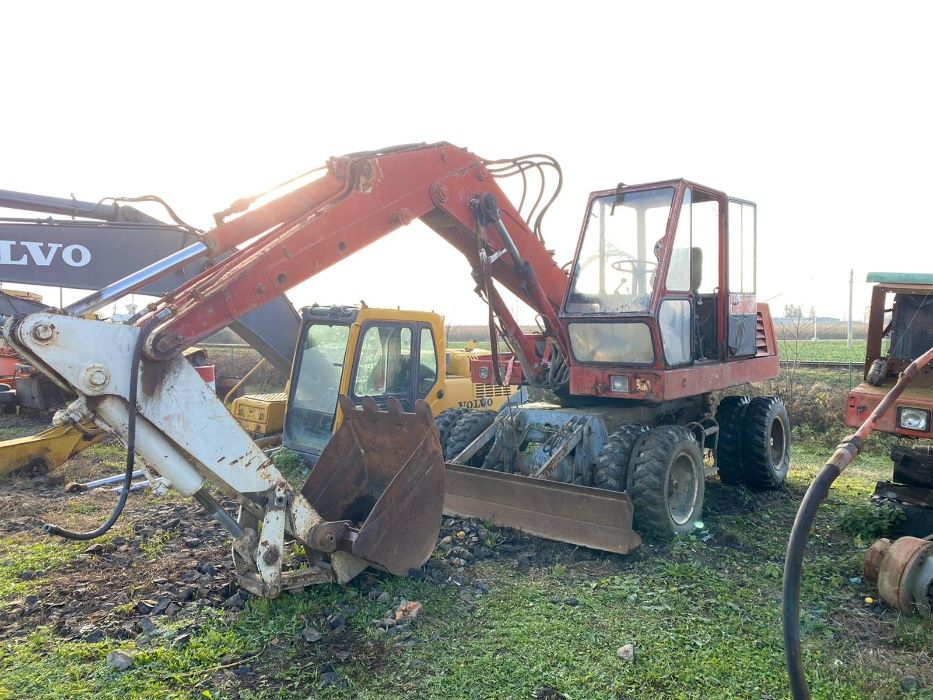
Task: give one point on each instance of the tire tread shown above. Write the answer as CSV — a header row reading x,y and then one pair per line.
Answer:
x,y
467,428
729,415
612,470
759,416
650,464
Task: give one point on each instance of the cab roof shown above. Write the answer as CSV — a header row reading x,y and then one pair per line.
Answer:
x,y
900,278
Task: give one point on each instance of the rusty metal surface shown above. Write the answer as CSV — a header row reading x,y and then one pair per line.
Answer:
x,y
876,554
903,580
383,470
574,514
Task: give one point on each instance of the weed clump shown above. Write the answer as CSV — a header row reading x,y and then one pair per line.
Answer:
x,y
292,465
869,521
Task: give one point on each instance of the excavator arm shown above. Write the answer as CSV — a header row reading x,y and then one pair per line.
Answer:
x,y
376,494
361,198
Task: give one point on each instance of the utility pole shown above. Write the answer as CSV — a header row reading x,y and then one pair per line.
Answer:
x,y
849,329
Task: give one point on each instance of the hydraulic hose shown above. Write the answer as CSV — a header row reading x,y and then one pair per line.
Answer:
x,y
847,451
51,529
793,565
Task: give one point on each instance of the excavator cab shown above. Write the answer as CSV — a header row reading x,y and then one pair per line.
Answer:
x,y
664,277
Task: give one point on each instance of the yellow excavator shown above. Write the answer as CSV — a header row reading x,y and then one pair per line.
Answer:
x,y
50,448
368,352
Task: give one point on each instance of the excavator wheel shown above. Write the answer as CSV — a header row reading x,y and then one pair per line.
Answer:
x,y
467,428
445,422
668,482
766,443
612,470
729,415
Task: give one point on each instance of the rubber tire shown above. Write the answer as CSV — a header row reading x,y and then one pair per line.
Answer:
x,y
729,415
652,461
761,470
612,464
445,421
467,428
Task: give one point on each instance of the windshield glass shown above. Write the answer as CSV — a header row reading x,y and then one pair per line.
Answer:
x,y
315,386
616,267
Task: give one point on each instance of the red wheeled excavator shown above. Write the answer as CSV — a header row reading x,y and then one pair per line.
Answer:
x,y
656,312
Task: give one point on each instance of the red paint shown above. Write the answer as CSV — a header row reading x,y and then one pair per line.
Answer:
x,y
8,362
207,374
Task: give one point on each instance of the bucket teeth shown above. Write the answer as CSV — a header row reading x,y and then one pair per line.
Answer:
x,y
371,411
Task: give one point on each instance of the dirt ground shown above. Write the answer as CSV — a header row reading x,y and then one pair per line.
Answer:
x,y
170,554
167,566
169,558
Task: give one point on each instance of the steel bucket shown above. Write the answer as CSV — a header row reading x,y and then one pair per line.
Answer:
x,y
384,472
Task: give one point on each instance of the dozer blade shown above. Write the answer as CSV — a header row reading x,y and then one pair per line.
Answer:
x,y
384,472
50,448
574,514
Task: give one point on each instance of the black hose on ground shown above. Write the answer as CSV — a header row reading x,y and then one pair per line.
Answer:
x,y
51,529
793,570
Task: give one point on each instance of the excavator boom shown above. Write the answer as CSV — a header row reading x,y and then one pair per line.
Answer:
x,y
360,199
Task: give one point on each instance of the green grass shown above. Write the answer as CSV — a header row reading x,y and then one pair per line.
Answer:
x,y
704,617
17,555
42,666
152,545
822,351
109,451
804,350
10,433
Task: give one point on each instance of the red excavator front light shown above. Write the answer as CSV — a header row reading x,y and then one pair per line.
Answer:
x,y
618,383
913,419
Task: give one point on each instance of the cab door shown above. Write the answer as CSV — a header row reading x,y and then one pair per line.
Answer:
x,y
742,307
383,364
394,359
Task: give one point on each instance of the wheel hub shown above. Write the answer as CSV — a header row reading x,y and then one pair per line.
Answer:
x,y
778,442
682,489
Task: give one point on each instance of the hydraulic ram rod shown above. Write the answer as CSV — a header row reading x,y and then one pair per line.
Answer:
x,y
137,280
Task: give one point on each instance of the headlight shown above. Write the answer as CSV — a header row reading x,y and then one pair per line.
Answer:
x,y
618,382
913,419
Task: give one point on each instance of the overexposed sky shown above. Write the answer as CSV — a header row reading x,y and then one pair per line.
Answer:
x,y
819,112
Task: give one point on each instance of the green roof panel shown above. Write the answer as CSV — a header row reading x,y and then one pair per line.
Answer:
x,y
900,277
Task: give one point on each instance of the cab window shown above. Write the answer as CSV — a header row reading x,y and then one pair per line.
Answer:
x,y
741,247
694,263
384,365
427,366
614,272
